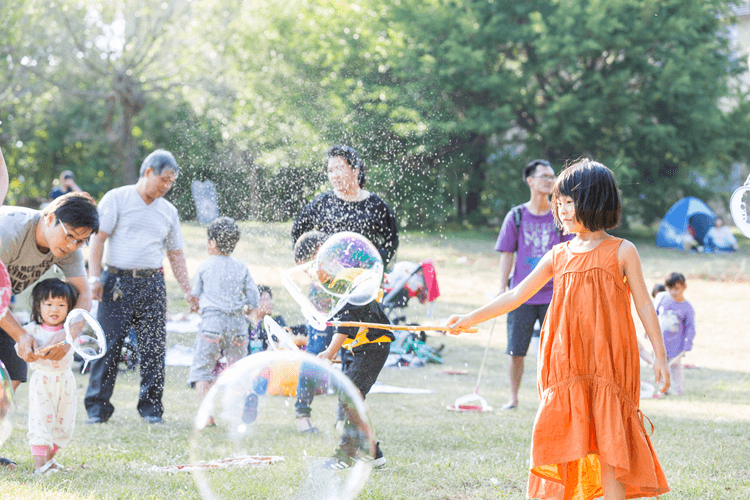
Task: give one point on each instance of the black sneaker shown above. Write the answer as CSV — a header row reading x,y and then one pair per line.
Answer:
x,y
378,461
339,461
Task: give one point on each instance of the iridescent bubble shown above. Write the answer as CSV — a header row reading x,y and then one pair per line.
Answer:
x,y
246,442
349,266
347,269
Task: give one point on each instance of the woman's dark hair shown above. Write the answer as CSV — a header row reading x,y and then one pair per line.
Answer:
x,y
264,289
307,245
530,168
352,158
51,288
159,161
225,232
675,279
658,288
77,210
594,191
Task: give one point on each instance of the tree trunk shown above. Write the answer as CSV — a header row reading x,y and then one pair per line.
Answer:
x,y
127,161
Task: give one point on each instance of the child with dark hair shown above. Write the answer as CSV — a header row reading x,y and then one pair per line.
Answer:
x,y
225,290
589,438
258,333
677,322
52,387
658,288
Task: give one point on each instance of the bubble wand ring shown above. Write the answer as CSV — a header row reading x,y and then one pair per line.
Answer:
x,y
89,342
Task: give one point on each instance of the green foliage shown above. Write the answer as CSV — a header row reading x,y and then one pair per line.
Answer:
x,y
440,87
444,100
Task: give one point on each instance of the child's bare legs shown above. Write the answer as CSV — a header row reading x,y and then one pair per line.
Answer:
x,y
515,370
203,386
613,489
675,371
42,455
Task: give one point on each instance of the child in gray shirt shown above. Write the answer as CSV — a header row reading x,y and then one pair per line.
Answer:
x,y
225,289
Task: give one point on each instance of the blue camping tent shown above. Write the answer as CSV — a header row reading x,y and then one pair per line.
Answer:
x,y
674,226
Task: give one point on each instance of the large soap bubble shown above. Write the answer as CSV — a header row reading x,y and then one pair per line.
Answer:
x,y
7,404
738,205
347,269
254,450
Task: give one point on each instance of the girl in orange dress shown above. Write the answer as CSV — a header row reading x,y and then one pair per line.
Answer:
x,y
590,438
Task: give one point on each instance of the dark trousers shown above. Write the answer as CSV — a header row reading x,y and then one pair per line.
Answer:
x,y
142,306
310,377
362,365
13,363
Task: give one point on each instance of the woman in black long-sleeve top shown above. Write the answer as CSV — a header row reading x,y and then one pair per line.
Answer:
x,y
347,207
350,207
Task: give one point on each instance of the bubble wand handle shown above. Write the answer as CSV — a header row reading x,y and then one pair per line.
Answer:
x,y
410,328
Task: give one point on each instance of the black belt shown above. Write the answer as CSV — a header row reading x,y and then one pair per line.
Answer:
x,y
134,273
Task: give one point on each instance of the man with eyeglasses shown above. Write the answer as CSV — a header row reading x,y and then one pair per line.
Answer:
x,y
528,232
31,241
138,224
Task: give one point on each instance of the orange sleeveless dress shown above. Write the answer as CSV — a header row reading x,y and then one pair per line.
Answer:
x,y
589,384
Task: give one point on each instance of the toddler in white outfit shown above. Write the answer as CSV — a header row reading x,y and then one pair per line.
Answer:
x,y
52,386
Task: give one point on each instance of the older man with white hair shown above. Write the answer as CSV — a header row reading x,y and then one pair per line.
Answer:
x,y
139,223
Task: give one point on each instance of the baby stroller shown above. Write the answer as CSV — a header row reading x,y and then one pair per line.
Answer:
x,y
407,280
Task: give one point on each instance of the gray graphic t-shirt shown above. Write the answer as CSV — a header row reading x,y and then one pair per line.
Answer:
x,y
20,254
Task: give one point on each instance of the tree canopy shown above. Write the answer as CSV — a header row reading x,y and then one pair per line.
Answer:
x,y
445,99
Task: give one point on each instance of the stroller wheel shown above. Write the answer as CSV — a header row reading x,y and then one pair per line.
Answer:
x,y
129,358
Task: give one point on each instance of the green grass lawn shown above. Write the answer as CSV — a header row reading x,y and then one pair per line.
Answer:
x,y
702,438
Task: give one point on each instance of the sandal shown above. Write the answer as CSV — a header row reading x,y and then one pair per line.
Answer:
x,y
7,462
51,467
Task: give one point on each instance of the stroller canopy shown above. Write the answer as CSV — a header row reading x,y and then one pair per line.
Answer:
x,y
686,212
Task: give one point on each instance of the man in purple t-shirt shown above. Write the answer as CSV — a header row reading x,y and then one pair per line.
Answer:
x,y
529,232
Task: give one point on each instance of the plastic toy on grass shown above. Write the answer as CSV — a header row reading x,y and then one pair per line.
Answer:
x,y
254,451
347,269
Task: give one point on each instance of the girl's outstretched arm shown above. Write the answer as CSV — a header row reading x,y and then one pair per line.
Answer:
x,y
3,178
630,263
509,300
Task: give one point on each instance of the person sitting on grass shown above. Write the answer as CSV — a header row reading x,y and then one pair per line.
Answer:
x,y
677,322
720,238
52,387
225,290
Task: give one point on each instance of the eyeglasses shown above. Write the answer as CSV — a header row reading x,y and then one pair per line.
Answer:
x,y
545,177
71,239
